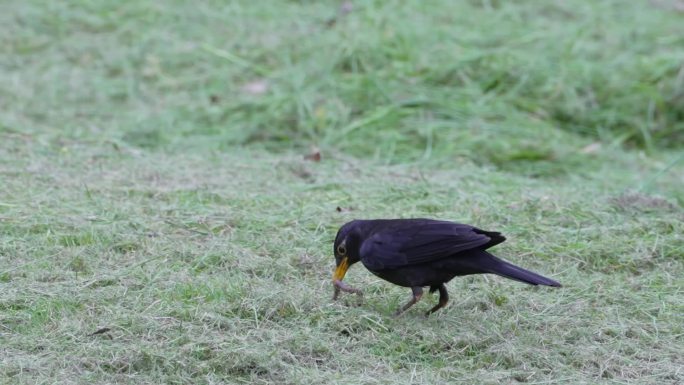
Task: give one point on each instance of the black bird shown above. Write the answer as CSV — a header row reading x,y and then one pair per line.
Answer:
x,y
420,252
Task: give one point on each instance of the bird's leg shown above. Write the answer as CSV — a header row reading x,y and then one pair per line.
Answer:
x,y
443,299
417,294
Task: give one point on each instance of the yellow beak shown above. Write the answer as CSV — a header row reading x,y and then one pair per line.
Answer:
x,y
341,270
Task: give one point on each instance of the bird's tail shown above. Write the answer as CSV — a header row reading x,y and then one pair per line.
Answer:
x,y
497,266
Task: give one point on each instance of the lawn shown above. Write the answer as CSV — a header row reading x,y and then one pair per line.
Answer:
x,y
161,223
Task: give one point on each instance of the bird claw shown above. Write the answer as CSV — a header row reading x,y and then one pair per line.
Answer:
x,y
341,286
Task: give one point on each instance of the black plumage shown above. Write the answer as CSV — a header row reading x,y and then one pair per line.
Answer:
x,y
419,253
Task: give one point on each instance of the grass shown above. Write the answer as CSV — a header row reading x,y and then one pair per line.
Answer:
x,y
153,183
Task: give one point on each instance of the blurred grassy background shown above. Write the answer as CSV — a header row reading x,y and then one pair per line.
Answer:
x,y
152,181
388,79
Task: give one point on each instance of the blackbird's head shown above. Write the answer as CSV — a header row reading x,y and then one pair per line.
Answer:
x,y
346,248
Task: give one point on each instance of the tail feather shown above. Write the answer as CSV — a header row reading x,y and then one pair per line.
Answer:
x,y
497,266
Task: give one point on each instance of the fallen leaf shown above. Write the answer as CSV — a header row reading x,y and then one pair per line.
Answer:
x,y
257,87
592,148
346,7
314,156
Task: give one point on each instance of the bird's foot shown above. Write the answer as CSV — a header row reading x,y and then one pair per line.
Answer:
x,y
417,295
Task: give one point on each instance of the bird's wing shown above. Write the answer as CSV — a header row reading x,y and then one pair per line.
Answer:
x,y
416,243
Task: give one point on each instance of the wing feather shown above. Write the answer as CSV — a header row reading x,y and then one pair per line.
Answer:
x,y
417,242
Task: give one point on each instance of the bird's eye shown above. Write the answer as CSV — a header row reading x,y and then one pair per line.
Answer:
x,y
341,250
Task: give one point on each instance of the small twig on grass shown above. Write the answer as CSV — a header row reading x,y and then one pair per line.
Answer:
x,y
99,331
